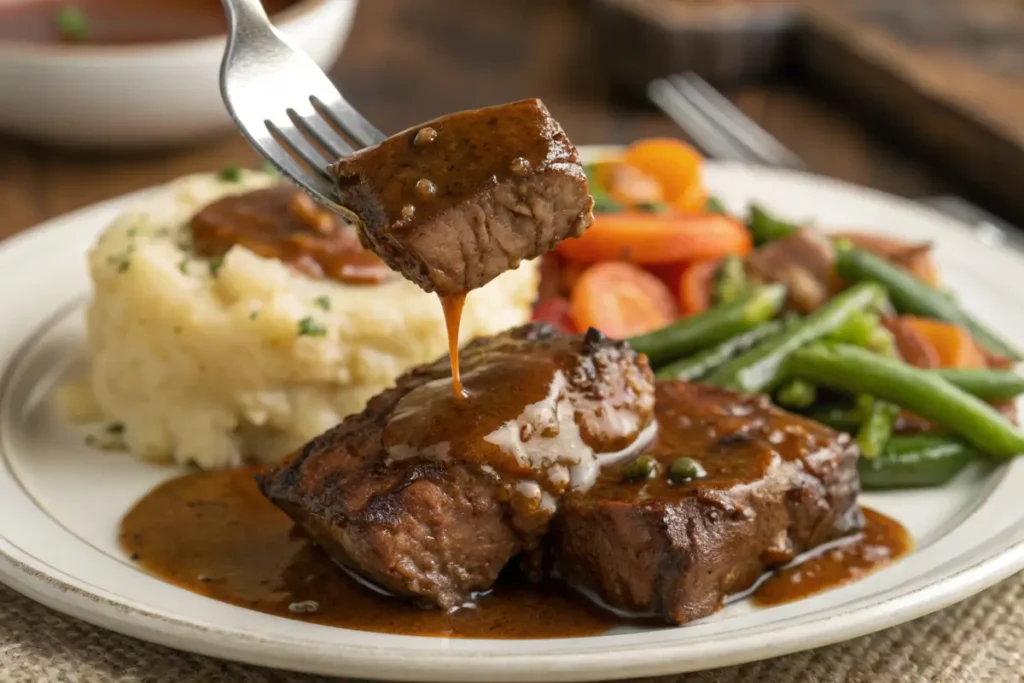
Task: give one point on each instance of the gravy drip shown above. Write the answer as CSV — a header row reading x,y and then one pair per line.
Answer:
x,y
283,222
882,541
214,534
452,307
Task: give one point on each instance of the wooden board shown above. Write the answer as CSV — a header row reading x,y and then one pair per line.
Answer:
x,y
946,75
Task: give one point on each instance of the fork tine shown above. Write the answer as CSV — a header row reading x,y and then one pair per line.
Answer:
x,y
735,123
321,188
703,131
345,117
297,145
321,133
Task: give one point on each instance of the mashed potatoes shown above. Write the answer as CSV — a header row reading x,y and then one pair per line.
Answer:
x,y
216,362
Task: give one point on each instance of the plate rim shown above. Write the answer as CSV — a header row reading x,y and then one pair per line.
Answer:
x,y
41,584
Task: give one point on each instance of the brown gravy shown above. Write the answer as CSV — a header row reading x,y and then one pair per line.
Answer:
x,y
117,22
215,534
283,222
882,540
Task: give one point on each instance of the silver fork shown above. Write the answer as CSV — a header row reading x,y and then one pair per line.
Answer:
x,y
284,105
724,132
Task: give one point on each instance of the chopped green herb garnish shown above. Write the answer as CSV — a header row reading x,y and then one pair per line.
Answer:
x,y
132,231
231,174
183,266
215,265
714,205
124,265
323,302
72,23
253,315
269,168
115,428
311,328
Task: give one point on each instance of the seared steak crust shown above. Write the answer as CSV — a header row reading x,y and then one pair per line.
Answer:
x,y
777,485
439,524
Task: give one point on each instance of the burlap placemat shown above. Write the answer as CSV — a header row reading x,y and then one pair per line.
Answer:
x,y
980,640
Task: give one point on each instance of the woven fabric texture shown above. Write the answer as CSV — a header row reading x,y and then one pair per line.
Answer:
x,y
980,640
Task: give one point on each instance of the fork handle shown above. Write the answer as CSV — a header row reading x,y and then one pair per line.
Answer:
x,y
246,18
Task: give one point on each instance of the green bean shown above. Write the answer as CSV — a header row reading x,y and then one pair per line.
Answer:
x,y
857,329
913,461
990,385
876,430
865,329
759,369
796,393
927,394
911,295
841,419
713,326
703,362
883,342
766,228
730,281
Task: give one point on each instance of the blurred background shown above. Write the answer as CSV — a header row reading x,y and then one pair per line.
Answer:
x,y
916,97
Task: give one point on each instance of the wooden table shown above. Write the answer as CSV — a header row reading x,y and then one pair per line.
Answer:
x,y
410,60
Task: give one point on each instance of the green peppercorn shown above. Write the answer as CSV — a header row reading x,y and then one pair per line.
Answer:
x,y
643,468
684,470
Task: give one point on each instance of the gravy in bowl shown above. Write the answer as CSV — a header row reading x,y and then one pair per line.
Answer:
x,y
116,22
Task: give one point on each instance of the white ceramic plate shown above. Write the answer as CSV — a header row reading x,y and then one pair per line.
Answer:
x,y
60,502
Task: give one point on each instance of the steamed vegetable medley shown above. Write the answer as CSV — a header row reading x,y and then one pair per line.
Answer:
x,y
850,329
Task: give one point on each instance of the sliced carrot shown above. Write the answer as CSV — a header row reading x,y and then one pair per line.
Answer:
x,y
693,200
620,300
657,238
913,346
695,285
673,162
630,186
953,344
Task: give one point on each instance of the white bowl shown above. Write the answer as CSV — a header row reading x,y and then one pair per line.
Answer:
x,y
141,95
